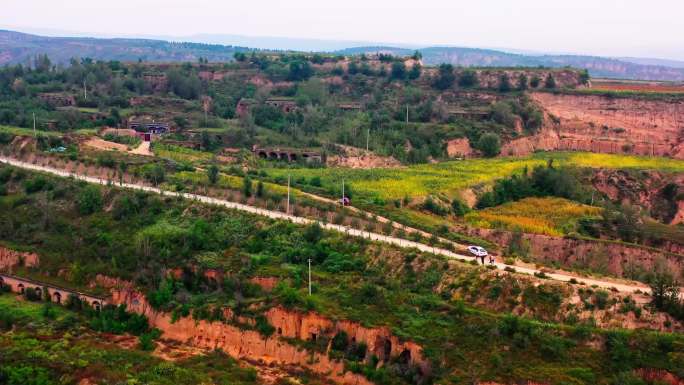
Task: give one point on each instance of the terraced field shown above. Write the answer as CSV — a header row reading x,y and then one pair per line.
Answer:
x,y
637,86
549,216
454,176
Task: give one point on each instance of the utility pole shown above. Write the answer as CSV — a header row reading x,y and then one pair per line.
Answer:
x,y
342,192
309,276
85,90
367,139
34,125
287,209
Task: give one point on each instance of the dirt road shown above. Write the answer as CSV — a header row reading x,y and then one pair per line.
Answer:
x,y
625,287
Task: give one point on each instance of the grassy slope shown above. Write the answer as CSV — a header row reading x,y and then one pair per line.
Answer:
x,y
27,131
354,280
453,176
55,346
180,154
372,189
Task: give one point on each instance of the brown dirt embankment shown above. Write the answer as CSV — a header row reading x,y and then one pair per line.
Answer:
x,y
352,157
602,124
614,258
10,258
661,194
253,346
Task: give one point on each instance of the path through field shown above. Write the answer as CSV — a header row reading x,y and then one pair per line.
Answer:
x,y
142,149
101,144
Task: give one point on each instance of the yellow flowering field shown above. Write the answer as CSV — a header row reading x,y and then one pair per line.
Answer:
x,y
453,176
548,215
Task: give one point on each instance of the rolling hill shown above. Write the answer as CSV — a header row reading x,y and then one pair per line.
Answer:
x,y
16,47
475,57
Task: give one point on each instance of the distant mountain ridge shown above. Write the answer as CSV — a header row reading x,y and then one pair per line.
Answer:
x,y
17,47
654,61
477,57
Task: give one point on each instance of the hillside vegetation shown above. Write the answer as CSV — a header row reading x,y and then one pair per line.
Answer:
x,y
44,344
372,141
85,230
454,176
20,47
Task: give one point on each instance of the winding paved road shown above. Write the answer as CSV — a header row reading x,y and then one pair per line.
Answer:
x,y
606,284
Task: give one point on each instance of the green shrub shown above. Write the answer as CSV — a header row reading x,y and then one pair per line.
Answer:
x,y
535,81
6,137
5,174
36,184
617,347
33,295
89,200
550,82
398,71
601,298
263,327
468,78
555,348
459,208
154,173
247,186
24,375
106,160
434,207
489,144
504,83
357,351
340,341
145,343
47,311
445,78
585,374
213,174
161,297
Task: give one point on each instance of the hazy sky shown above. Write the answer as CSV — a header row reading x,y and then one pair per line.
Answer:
x,y
652,28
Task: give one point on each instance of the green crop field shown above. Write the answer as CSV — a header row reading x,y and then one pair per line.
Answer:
x,y
453,176
180,154
27,131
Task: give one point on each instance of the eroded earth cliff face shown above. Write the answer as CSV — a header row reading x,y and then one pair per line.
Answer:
x,y
277,349
352,157
613,258
566,78
605,125
662,195
10,258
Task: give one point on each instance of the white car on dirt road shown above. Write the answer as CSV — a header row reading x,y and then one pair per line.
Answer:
x,y
477,251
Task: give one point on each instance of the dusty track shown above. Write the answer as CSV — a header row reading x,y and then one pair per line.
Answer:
x,y
624,287
142,149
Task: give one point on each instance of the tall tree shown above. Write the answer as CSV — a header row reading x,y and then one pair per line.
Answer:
x,y
522,82
398,71
445,78
213,174
550,81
